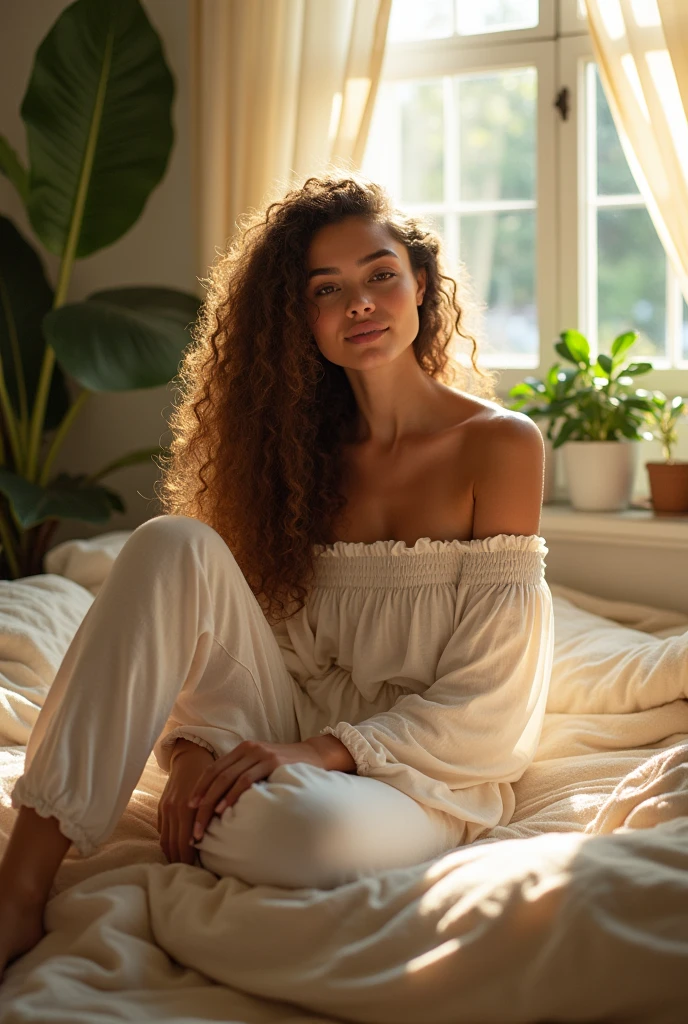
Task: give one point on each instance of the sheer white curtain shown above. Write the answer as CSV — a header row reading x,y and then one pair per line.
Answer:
x,y
641,48
279,89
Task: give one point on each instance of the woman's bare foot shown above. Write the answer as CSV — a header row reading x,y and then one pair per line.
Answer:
x,y
21,927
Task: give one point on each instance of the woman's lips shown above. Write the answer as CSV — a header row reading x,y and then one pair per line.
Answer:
x,y
359,339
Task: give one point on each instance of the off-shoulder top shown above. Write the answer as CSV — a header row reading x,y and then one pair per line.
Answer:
x,y
430,663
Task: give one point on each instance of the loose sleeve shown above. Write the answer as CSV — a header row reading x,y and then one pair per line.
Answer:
x,y
459,744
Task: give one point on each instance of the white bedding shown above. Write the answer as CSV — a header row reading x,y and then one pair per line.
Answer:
x,y
577,910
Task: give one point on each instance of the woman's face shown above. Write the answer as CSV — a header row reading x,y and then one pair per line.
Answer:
x,y
346,288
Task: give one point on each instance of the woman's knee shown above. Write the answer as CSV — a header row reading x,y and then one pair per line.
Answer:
x,y
167,533
176,528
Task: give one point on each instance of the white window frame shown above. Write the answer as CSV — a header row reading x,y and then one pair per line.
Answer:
x,y
435,58
570,21
559,47
573,53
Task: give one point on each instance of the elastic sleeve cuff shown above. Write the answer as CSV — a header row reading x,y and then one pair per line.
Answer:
x,y
358,747
163,748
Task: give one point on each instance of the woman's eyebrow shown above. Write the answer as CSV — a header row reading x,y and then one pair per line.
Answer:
x,y
364,259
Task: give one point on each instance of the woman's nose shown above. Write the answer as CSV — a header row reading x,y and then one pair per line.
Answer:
x,y
360,304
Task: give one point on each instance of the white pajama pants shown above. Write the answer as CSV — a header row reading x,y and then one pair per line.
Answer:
x,y
176,644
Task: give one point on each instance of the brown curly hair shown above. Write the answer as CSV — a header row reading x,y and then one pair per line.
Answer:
x,y
258,429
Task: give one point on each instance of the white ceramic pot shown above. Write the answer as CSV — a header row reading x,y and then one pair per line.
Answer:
x,y
600,474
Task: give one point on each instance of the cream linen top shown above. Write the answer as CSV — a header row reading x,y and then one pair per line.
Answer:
x,y
430,663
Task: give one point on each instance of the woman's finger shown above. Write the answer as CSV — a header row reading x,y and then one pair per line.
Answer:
x,y
165,835
186,854
231,794
215,792
173,838
244,782
209,774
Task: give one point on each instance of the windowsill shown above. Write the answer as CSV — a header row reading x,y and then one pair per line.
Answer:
x,y
637,525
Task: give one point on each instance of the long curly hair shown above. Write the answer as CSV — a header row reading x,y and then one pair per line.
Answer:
x,y
258,429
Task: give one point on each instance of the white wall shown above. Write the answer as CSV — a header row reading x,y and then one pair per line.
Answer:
x,y
156,251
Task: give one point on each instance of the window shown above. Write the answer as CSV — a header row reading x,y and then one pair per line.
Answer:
x,y
435,19
538,211
629,282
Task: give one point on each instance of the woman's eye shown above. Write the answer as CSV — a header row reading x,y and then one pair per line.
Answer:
x,y
321,291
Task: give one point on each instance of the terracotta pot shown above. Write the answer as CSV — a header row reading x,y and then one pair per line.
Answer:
x,y
668,485
600,474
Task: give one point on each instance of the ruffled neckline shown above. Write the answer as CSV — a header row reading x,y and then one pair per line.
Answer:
x,y
425,546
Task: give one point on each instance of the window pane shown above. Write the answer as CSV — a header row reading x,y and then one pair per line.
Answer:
x,y
499,252
422,141
437,222
613,175
409,20
631,280
497,119
473,17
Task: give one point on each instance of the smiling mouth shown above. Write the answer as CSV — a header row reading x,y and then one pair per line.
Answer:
x,y
365,334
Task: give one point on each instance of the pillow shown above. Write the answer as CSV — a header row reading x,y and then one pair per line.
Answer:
x,y
87,562
39,616
603,666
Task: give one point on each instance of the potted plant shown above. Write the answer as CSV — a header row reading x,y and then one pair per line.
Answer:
x,y
97,113
545,400
668,479
601,423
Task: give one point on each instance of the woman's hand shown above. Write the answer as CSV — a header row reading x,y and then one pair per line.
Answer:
x,y
175,820
222,782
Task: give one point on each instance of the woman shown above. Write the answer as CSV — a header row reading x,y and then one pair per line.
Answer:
x,y
338,638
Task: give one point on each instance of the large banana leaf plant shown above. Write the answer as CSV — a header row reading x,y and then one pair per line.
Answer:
x,y
97,113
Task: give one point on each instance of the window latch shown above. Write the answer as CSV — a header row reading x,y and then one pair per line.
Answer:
x,y
562,103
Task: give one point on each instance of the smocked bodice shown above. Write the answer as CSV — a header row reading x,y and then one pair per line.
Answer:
x,y
502,558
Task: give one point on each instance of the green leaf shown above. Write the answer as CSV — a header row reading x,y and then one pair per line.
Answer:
x,y
12,167
628,429
66,497
98,123
634,402
551,379
563,351
636,369
605,364
560,405
132,459
622,343
535,411
522,390
577,345
569,427
25,297
123,339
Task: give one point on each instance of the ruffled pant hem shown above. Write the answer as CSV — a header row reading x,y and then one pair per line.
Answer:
x,y
84,843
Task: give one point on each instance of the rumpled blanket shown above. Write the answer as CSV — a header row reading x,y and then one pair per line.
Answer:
x,y
575,911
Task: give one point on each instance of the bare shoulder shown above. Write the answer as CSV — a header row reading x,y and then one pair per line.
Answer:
x,y
508,474
493,424
498,426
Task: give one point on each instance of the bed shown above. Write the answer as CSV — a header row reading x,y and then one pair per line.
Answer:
x,y
575,911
